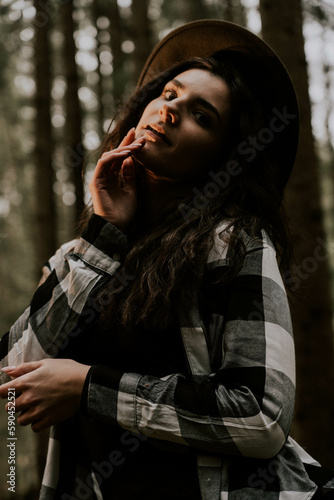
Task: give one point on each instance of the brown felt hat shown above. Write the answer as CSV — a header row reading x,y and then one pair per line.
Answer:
x,y
265,71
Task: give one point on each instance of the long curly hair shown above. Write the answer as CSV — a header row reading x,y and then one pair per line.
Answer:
x,y
169,259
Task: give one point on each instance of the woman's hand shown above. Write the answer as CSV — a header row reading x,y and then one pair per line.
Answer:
x,y
113,184
47,391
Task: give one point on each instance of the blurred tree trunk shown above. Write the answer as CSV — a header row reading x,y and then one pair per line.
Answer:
x,y
45,239
142,37
313,428
46,219
116,38
329,148
235,12
328,157
74,149
96,13
195,9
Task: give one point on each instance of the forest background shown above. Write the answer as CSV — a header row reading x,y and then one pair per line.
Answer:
x,y
65,65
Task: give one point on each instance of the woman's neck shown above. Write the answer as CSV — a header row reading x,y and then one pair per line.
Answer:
x,y
159,191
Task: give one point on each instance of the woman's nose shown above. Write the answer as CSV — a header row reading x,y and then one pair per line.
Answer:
x,y
168,114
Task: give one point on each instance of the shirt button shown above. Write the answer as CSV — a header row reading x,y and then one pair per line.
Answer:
x,y
116,256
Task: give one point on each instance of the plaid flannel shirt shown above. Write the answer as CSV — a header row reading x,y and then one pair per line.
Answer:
x,y
235,406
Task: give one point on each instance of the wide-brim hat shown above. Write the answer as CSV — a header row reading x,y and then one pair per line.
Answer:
x,y
204,38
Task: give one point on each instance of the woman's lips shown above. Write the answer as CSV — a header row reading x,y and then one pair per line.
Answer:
x,y
157,134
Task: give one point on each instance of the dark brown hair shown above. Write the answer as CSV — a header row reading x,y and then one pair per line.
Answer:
x,y
169,259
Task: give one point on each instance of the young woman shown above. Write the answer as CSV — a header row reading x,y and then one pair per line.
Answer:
x,y
159,347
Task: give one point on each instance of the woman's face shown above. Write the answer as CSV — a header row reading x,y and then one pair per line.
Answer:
x,y
186,127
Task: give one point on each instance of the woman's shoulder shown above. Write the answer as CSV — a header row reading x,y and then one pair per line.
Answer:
x,y
62,251
58,257
229,239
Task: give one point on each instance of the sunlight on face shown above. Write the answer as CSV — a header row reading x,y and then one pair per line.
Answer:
x,y
186,126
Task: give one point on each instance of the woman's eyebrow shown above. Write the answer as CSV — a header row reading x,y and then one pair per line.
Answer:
x,y
200,100
177,83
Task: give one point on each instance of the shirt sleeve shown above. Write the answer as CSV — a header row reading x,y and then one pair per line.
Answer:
x,y
242,403
69,278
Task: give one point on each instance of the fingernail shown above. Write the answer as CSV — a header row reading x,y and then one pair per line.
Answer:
x,y
8,369
131,130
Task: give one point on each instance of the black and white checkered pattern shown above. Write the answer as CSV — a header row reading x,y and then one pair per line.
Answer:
x,y
235,406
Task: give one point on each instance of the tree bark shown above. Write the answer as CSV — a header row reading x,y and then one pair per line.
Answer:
x,y
96,13
311,311
329,155
194,9
46,217
46,241
74,149
116,38
142,37
235,12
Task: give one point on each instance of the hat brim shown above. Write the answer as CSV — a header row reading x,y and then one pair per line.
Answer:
x,y
203,38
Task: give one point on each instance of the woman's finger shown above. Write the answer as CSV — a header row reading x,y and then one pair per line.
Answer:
x,y
132,147
128,138
108,156
109,164
112,161
20,403
25,418
17,375
129,175
22,369
37,420
39,426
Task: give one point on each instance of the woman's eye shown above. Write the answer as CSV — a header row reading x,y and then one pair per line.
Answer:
x,y
202,118
169,94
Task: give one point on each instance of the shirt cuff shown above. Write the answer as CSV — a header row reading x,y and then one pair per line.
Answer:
x,y
84,394
101,246
105,237
109,396
99,395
